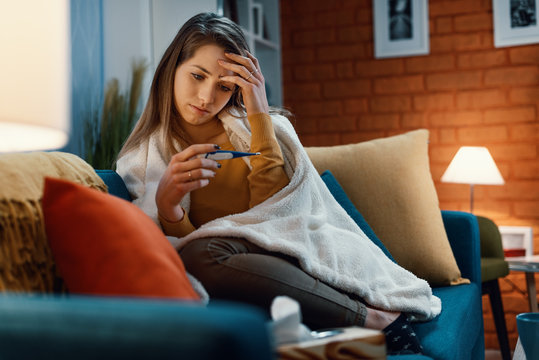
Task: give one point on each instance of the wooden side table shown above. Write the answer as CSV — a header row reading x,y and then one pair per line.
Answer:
x,y
529,265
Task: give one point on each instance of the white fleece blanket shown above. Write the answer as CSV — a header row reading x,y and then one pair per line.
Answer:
x,y
302,220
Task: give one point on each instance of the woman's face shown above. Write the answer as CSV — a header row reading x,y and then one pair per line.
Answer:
x,y
199,93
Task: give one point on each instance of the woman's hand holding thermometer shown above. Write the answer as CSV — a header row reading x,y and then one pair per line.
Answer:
x,y
189,170
225,155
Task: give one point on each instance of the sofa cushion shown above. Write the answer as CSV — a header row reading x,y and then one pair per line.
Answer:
x,y
389,182
26,263
343,200
453,334
104,245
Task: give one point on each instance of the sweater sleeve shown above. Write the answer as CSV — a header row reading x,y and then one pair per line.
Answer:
x,y
178,228
267,176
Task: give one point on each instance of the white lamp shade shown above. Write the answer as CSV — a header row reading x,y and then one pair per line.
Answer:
x,y
35,68
473,165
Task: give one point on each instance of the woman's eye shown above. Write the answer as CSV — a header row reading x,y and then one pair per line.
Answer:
x,y
196,76
225,88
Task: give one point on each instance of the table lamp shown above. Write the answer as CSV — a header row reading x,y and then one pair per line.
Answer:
x,y
473,165
35,67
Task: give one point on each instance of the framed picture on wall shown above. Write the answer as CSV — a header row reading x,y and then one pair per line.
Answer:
x,y
401,28
515,22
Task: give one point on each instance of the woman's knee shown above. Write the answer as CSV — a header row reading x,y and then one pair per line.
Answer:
x,y
203,257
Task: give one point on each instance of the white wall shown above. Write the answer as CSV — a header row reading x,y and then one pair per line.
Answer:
x,y
135,29
169,16
126,36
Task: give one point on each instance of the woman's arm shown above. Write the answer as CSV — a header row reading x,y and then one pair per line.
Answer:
x,y
178,228
267,175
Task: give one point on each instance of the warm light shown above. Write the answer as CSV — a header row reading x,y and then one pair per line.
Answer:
x,y
473,165
35,71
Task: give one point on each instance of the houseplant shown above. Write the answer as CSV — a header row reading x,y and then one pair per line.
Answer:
x,y
106,130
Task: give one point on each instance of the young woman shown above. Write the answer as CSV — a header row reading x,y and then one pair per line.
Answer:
x,y
250,229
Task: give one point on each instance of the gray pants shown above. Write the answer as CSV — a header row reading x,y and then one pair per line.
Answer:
x,y
234,269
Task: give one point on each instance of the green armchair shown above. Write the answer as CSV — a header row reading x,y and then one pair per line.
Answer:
x,y
493,267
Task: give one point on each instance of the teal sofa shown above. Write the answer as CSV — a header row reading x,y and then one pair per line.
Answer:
x,y
80,327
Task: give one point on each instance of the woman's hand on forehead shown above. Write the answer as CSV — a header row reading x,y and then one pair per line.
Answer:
x,y
248,76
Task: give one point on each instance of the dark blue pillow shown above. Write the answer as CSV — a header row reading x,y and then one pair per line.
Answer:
x,y
338,193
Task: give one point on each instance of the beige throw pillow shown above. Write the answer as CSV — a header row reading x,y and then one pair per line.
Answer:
x,y
26,262
389,182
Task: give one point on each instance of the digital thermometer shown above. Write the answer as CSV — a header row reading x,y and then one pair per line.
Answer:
x,y
225,155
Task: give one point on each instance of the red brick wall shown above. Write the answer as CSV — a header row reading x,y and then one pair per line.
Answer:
x,y
466,92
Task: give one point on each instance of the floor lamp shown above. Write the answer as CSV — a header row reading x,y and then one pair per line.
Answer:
x,y
473,165
35,67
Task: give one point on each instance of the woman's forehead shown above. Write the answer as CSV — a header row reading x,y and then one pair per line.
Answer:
x,y
205,58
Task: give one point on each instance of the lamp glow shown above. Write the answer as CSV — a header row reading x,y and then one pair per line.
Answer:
x,y
473,165
34,75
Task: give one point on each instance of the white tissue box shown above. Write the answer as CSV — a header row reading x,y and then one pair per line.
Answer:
x,y
351,342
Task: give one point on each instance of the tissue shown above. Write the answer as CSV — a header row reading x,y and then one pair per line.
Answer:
x,y
286,325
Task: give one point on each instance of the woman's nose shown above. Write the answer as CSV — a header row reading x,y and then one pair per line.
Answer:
x,y
207,93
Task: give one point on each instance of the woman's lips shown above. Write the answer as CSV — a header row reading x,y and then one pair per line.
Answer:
x,y
198,110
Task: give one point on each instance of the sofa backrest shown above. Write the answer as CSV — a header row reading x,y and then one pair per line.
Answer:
x,y
115,183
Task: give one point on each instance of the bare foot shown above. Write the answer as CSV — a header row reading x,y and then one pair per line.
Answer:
x,y
379,319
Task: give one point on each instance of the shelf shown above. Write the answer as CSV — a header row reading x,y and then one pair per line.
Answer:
x,y
260,40
259,21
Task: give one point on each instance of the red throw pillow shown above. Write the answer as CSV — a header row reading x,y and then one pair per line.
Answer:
x,y
104,245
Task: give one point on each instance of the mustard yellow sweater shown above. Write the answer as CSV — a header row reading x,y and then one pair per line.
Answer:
x,y
235,188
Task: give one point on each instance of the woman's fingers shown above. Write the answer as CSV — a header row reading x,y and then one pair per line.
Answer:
x,y
193,164
242,71
254,60
235,67
193,151
189,186
196,171
196,174
190,180
188,172
246,61
247,67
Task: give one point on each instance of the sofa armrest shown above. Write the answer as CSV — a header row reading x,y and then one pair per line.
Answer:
x,y
79,327
463,233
